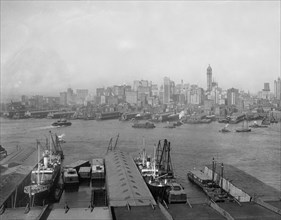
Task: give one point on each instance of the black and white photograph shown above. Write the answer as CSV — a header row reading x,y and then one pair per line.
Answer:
x,y
140,110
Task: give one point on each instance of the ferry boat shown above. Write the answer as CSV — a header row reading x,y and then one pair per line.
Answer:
x,y
143,125
46,173
70,176
62,122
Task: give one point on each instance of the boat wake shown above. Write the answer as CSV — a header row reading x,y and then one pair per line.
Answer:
x,y
43,128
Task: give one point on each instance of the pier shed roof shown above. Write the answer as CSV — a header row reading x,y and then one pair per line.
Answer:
x,y
124,182
11,179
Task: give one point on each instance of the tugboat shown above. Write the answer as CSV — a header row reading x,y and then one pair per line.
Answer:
x,y
62,122
224,129
143,125
47,171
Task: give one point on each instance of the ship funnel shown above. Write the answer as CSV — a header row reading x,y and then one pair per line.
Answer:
x,y
45,162
147,163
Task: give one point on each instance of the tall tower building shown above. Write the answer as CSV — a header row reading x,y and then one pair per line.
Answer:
x,y
209,78
167,90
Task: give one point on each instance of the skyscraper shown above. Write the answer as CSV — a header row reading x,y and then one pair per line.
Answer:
x,y
232,96
166,92
209,78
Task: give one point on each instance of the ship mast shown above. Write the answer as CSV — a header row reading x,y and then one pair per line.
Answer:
x,y
143,152
154,162
38,166
51,148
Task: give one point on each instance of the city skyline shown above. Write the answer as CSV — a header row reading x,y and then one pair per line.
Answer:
x,y
55,45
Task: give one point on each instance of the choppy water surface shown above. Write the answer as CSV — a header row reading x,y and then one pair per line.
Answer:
x,y
257,153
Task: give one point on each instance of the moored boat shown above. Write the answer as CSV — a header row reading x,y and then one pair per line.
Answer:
x,y
98,169
175,193
70,176
159,172
46,173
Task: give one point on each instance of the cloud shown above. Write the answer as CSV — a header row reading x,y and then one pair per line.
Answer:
x,y
95,43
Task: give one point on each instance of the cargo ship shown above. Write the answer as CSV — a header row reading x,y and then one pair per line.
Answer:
x,y
47,171
158,173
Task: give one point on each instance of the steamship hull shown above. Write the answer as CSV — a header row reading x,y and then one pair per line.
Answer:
x,y
45,191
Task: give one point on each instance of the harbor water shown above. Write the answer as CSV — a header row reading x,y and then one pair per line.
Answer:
x,y
192,145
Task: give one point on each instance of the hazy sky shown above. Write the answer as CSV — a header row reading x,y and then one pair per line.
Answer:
x,y
48,46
